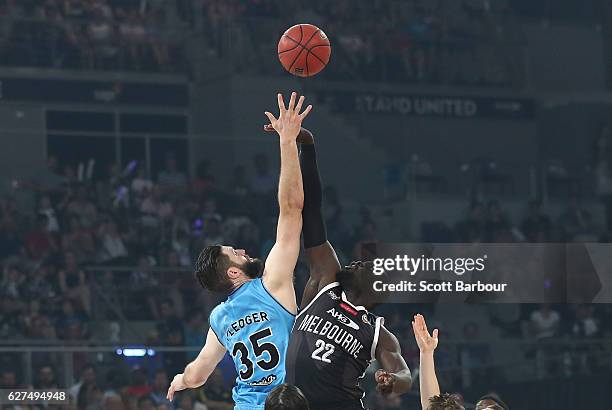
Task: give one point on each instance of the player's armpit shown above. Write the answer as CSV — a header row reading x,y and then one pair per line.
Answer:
x,y
197,372
395,376
323,266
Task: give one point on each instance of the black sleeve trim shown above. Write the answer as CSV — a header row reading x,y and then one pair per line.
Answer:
x,y
274,299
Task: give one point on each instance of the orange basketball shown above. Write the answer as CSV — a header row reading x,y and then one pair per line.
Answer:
x,y
304,50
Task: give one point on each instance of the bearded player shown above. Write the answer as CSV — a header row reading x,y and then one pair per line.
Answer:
x,y
255,321
334,338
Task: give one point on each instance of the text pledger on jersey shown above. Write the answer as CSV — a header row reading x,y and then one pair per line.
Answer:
x,y
412,265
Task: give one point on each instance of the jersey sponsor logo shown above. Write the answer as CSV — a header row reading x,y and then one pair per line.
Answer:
x,y
340,317
348,308
264,381
333,295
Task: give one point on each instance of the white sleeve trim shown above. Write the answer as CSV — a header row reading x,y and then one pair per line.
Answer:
x,y
322,291
379,322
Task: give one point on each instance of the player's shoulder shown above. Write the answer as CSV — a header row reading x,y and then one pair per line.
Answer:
x,y
217,312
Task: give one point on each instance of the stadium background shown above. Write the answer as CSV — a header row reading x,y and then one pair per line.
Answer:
x,y
131,137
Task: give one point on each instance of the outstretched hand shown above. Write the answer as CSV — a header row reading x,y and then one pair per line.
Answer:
x,y
289,122
427,343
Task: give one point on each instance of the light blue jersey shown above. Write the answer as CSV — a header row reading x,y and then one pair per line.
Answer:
x,y
254,328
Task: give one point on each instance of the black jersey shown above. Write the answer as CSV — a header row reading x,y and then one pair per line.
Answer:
x,y
332,344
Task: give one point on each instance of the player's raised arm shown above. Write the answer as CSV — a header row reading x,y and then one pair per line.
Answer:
x,y
323,263
395,376
322,260
280,264
197,372
428,381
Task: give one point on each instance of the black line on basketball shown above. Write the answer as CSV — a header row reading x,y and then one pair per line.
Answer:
x,y
303,47
316,56
311,37
296,57
292,48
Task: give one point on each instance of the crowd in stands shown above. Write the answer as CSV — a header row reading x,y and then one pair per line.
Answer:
x,y
59,224
443,41
91,34
104,239
489,222
449,42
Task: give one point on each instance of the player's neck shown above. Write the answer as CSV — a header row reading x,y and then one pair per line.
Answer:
x,y
239,282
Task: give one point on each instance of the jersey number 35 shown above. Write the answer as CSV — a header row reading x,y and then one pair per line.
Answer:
x,y
258,350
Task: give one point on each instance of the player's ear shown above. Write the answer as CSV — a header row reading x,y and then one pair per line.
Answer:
x,y
233,272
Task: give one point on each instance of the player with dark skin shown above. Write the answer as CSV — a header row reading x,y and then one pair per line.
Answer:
x,y
394,375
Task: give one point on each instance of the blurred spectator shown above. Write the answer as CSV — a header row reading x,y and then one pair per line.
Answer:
x,y
497,225
168,317
545,322
145,403
576,223
81,207
585,324
90,397
79,242
112,401
8,379
155,208
46,208
214,394
73,283
45,378
113,249
160,388
87,378
70,320
170,178
195,323
537,227
204,181
138,384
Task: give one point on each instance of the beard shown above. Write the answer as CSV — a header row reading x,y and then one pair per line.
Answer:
x,y
254,268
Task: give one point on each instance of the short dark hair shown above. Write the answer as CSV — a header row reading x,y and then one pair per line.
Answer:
x,y
286,397
445,401
211,269
494,397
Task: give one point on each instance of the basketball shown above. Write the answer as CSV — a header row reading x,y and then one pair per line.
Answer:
x,y
304,50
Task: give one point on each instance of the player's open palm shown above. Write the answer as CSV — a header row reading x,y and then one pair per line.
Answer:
x,y
290,119
427,343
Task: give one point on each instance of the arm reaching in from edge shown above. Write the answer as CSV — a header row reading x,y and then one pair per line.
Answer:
x,y
394,377
323,263
197,372
428,382
280,264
